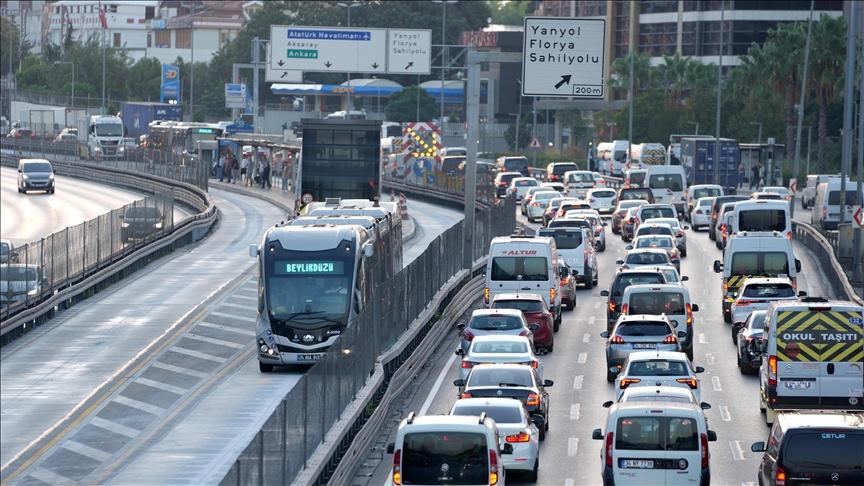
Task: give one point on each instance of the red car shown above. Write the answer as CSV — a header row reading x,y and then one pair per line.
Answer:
x,y
540,320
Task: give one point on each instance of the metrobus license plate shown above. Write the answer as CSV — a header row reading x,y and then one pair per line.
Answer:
x,y
636,464
308,357
798,385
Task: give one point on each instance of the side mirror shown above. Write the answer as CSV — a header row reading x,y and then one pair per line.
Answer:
x,y
548,383
605,223
712,436
682,334
19,170
802,294
628,247
460,382
597,434
705,406
253,249
797,265
699,369
686,228
607,404
695,307
390,448
507,449
368,250
604,293
620,262
614,370
604,334
459,352
718,267
460,326
757,446
685,278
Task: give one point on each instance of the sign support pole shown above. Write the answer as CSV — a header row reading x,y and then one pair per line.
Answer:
x,y
858,238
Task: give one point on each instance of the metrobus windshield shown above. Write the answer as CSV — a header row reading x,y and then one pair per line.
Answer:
x,y
311,288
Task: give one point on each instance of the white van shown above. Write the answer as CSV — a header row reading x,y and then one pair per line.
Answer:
x,y
575,249
761,217
826,209
667,183
619,157
655,442
524,263
811,357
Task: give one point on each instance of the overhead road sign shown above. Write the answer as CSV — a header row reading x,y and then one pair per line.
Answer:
x,y
409,51
564,57
279,74
328,49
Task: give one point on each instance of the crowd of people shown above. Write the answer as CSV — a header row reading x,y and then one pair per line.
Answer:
x,y
250,173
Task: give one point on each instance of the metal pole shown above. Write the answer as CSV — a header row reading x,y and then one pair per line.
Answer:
x,y
858,240
719,88
849,91
348,88
104,108
519,117
192,76
809,132
255,58
443,56
533,130
630,95
235,78
797,163
473,120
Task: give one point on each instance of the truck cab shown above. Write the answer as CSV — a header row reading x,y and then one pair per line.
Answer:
x,y
104,137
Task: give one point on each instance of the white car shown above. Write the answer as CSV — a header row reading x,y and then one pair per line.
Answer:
x,y
757,292
514,427
557,186
671,274
700,216
655,368
498,349
660,393
537,205
519,186
783,191
698,191
603,200
677,231
644,257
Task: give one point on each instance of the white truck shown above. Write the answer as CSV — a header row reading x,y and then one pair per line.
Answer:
x,y
102,136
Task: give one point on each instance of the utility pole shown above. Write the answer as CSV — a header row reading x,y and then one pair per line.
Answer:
x,y
797,163
632,52
192,74
719,88
858,238
759,133
533,130
104,48
348,106
445,51
519,115
849,95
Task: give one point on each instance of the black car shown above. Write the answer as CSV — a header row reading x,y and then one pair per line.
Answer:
x,y
624,279
747,337
510,381
140,222
818,447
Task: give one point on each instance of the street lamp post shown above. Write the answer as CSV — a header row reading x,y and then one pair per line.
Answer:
x,y
72,104
519,115
759,133
444,51
349,6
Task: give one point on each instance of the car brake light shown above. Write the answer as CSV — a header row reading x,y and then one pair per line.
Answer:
x,y
780,477
772,370
788,235
533,400
616,339
535,364
486,295
625,382
725,287
468,335
523,333
516,438
670,339
493,468
703,438
536,204
465,395
625,308
397,467
689,309
467,364
565,280
673,253
680,234
609,441
691,382
552,293
611,306
698,211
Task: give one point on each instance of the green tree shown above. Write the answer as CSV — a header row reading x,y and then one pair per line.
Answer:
x,y
512,12
828,59
402,107
524,134
11,48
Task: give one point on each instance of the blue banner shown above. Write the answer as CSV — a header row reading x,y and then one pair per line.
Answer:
x,y
169,91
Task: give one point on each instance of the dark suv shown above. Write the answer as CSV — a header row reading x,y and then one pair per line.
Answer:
x,y
823,447
715,211
624,279
139,222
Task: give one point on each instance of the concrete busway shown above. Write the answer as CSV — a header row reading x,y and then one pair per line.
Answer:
x,y
577,366
148,360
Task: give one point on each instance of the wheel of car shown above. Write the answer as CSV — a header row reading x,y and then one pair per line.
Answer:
x,y
727,316
689,354
684,253
711,235
51,191
542,434
610,377
803,204
531,476
734,336
603,248
589,284
265,368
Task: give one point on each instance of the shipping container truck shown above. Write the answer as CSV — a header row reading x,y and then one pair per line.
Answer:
x,y
697,157
137,116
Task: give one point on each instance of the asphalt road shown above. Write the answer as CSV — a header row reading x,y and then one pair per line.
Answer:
x,y
577,366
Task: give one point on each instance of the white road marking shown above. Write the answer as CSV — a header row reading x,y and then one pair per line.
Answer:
x,y
597,304
437,385
715,382
139,405
591,320
583,357
245,307
113,427
218,342
724,413
572,446
161,386
86,450
197,354
736,449
709,358
49,477
231,315
245,332
586,338
178,369
577,382
569,482
575,411
244,297
702,338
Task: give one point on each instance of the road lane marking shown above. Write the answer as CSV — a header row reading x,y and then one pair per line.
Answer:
x,y
178,369
218,342
577,381
245,307
575,411
569,482
231,315
86,450
244,297
583,357
139,405
437,385
572,446
586,338
724,413
49,477
702,338
715,382
197,354
709,358
114,427
161,386
597,304
237,330
591,320
736,449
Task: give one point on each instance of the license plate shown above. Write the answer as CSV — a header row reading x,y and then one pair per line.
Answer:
x,y
308,357
644,346
798,385
636,464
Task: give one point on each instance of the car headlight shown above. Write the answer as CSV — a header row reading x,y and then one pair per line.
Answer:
x,y
124,225
33,292
51,176
158,225
97,149
26,177
121,149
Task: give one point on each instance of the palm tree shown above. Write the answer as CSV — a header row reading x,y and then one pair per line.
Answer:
x,y
828,58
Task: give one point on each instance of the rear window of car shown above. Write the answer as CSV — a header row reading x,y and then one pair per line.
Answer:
x,y
643,328
637,177
501,415
658,367
769,291
498,377
654,230
762,220
647,258
721,200
544,196
825,449
515,163
508,177
565,240
581,177
603,193
500,347
532,269
649,213
671,303
654,242
834,198
666,181
705,192
759,263
529,183
495,323
635,194
560,169
465,453
657,434
626,280
632,203
524,305
569,223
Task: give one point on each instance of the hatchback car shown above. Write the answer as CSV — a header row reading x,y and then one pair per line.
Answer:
x,y
603,200
672,301
665,242
484,322
700,215
519,186
648,211
510,381
658,368
514,427
698,191
628,224
636,193
756,293
624,279
678,231
567,286
540,320
140,222
638,333
536,206
620,209
502,182
747,337
645,257
498,349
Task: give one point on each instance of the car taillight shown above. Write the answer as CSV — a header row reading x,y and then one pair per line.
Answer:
x,y
465,395
493,468
467,365
536,204
673,254
630,220
397,467
725,287
780,477
516,438
689,309
523,333
535,364
795,285
670,339
625,308
533,400
486,295
468,335
609,442
552,293
625,382
691,382
772,370
612,306
679,234
703,438
616,339
565,280
788,235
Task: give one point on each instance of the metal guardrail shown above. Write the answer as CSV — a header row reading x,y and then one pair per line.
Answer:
x,y
825,252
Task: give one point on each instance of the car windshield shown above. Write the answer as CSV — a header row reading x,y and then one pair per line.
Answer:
x,y
759,263
658,367
643,328
501,415
495,377
524,305
706,192
657,434
142,212
564,240
645,258
313,289
635,194
762,220
498,347
465,453
13,273
648,213
531,269
36,167
650,242
769,290
673,182
628,279
671,303
828,449
495,323
109,130
515,163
